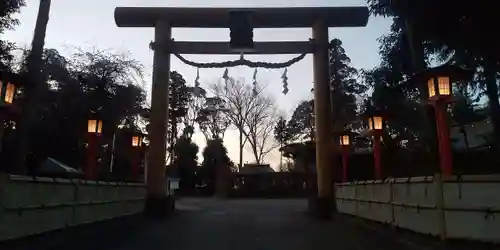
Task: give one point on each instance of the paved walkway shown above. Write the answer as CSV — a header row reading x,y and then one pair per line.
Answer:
x,y
253,225
245,224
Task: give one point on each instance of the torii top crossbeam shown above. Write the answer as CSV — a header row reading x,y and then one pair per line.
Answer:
x,y
296,17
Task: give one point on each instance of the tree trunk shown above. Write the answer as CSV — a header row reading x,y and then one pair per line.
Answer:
x,y
281,156
33,89
256,154
2,128
174,137
493,103
241,149
464,133
419,65
173,120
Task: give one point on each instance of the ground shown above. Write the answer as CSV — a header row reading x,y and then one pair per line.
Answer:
x,y
253,224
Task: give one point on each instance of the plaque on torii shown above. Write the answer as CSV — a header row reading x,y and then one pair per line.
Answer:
x,y
241,22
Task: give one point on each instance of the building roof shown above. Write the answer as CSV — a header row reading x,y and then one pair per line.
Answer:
x,y
256,169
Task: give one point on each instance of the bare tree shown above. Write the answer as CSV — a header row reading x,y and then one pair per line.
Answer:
x,y
260,123
195,104
252,113
239,99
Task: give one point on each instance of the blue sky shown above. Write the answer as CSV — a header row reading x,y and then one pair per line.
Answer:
x,y
90,23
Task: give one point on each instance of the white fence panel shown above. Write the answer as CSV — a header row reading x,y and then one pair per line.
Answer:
x,y
35,205
466,207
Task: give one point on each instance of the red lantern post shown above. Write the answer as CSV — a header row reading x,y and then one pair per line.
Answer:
x,y
136,155
375,125
345,148
440,92
8,86
94,131
440,95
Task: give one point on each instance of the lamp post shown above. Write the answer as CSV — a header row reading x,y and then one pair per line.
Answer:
x,y
375,126
94,132
345,145
137,141
439,87
8,86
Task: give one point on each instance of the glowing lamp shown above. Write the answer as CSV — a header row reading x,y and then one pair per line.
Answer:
x,y
137,141
7,91
439,86
345,140
375,123
94,126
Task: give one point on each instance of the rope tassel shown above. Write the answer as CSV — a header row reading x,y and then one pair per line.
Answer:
x,y
285,81
196,81
254,90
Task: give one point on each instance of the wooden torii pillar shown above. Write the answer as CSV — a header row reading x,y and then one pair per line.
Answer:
x,y
164,19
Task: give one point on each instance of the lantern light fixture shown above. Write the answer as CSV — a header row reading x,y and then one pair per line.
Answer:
x,y
375,123
137,140
7,91
94,126
345,140
439,86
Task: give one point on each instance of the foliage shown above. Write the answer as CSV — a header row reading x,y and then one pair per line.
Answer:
x,y
196,100
179,98
212,119
345,88
431,29
240,100
98,81
438,23
186,162
214,154
8,8
345,92
214,157
281,134
301,124
404,115
464,112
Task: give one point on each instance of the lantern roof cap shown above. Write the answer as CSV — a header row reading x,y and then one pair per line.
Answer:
x,y
453,71
366,133
347,132
95,114
12,78
133,130
137,132
372,110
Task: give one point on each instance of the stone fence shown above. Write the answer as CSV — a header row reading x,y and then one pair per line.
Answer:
x,y
460,207
34,205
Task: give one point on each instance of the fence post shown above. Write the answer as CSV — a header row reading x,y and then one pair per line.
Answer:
x,y
356,185
440,208
4,178
391,201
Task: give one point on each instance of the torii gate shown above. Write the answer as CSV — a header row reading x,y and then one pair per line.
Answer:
x,y
164,19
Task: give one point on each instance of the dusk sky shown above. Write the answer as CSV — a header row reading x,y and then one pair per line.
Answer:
x,y
90,23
